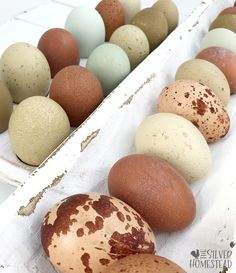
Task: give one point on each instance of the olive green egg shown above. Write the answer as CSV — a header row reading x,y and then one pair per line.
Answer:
x,y
227,21
153,23
6,107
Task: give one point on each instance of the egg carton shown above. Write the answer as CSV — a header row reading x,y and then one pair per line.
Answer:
x,y
82,163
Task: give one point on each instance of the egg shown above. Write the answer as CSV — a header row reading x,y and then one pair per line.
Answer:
x,y
213,38
88,232
110,64
6,107
227,21
131,8
133,41
154,25
112,14
176,140
78,91
144,263
155,190
197,103
206,73
88,28
170,10
25,71
230,10
225,60
36,127
60,49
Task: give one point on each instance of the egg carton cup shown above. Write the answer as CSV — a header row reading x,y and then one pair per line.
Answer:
x,y
82,163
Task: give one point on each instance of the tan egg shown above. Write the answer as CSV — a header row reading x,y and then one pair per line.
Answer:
x,y
227,21
144,263
25,71
6,107
206,73
88,232
230,10
36,128
133,41
170,10
176,140
197,103
131,8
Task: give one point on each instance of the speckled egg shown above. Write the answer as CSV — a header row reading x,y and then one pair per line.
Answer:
x,y
110,64
154,24
112,14
60,48
37,126
78,91
206,73
88,232
213,38
227,21
197,103
88,28
133,41
144,263
25,71
176,140
131,7
149,184
225,60
169,8
6,107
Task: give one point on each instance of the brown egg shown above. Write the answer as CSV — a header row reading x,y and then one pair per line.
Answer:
x,y
60,49
225,60
230,10
88,232
144,263
6,107
227,21
78,91
112,14
154,189
197,103
153,23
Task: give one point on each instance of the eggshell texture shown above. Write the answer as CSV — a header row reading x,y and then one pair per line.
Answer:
x,y
170,11
154,25
36,128
112,14
197,103
230,10
88,232
131,7
6,107
88,28
25,71
175,139
155,190
227,21
78,91
110,64
60,49
133,41
225,60
206,73
213,38
144,263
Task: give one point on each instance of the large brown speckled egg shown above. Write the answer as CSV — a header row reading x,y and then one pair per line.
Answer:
x,y
60,49
197,103
88,232
154,189
112,14
225,60
78,91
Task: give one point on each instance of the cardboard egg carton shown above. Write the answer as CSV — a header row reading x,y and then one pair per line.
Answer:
x,y
82,163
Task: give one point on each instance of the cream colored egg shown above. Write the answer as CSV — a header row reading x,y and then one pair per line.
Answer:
x,y
133,41
176,140
88,232
206,73
36,128
131,8
25,71
6,107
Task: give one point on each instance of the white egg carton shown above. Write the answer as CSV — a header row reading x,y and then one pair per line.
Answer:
x,y
82,162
